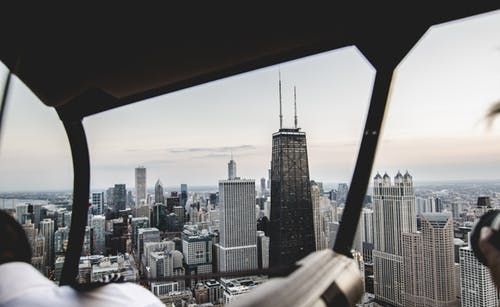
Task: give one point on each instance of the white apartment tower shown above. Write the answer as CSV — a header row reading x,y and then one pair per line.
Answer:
x,y
47,230
140,185
476,284
237,248
393,214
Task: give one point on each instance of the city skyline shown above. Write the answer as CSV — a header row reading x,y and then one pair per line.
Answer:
x,y
441,93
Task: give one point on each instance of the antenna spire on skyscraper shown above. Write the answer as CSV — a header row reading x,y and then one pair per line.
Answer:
x,y
281,113
295,104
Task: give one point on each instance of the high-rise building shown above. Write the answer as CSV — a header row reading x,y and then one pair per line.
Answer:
x,y
231,169
393,214
61,237
47,230
483,201
30,231
292,222
37,214
159,192
119,197
263,250
428,257
456,209
476,283
87,240
342,191
367,236
197,250
145,235
138,223
140,185
262,186
414,291
439,269
436,204
166,263
98,235
21,213
214,291
237,248
319,235
173,201
357,244
130,199
98,203
331,230
184,194
109,196
39,258
268,185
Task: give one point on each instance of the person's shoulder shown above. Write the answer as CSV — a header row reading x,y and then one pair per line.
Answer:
x,y
129,294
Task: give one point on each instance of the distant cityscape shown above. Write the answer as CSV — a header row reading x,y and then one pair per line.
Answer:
x,y
411,244
179,232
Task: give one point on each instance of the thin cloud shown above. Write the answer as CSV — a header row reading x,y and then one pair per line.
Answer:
x,y
212,149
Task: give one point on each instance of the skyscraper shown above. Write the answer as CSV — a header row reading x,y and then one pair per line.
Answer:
x,y
30,231
292,223
231,169
145,235
237,248
61,240
98,234
119,197
319,234
21,211
367,235
98,203
86,248
476,283
164,263
393,214
39,258
184,194
436,204
263,250
342,191
159,192
428,258
197,250
263,186
140,185
109,196
47,230
138,223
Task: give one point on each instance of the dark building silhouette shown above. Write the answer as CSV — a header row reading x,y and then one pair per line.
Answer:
x,y
159,216
263,225
173,201
484,201
119,197
292,224
184,194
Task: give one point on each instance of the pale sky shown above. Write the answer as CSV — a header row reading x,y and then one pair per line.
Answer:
x,y
434,125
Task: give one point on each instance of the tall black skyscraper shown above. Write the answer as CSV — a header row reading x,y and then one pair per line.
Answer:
x,y
292,223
